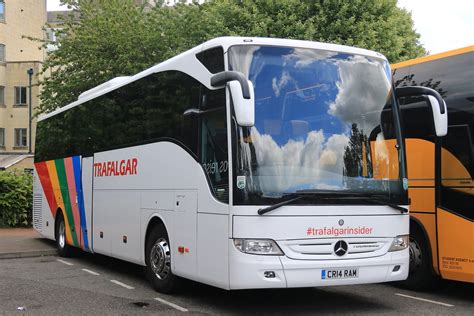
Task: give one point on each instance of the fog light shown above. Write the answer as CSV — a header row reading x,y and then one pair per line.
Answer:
x,y
269,274
396,268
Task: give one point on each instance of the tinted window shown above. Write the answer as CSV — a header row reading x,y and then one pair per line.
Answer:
x,y
457,164
457,155
417,119
453,78
213,151
148,110
144,111
212,59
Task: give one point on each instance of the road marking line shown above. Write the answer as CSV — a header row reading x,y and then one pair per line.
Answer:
x,y
424,300
90,271
65,262
122,284
182,309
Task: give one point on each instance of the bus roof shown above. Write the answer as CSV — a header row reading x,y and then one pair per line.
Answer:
x,y
424,59
181,63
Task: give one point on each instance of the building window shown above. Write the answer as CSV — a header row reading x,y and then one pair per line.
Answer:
x,y
2,137
2,53
20,137
20,95
2,95
2,10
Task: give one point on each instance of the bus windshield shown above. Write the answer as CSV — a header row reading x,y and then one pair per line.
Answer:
x,y
323,123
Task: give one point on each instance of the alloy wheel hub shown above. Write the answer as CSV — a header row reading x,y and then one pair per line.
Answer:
x,y
160,259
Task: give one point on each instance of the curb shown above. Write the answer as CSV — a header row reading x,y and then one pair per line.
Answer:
x,y
29,254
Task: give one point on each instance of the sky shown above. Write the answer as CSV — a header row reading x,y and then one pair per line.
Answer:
x,y
54,5
442,24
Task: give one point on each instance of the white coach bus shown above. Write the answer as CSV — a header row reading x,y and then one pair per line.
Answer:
x,y
241,163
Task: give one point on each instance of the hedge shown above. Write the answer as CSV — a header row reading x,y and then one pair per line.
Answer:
x,y
16,199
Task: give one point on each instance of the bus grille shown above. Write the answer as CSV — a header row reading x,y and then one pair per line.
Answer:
x,y
323,249
37,211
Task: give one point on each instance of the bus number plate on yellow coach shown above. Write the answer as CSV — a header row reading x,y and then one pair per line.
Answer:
x,y
331,274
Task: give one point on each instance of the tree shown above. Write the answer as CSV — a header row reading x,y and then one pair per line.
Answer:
x,y
117,37
357,158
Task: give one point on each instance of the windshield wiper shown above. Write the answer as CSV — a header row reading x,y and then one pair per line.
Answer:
x,y
358,196
328,194
355,195
299,195
274,206
382,202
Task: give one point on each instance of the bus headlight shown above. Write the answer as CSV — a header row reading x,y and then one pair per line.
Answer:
x,y
399,243
258,247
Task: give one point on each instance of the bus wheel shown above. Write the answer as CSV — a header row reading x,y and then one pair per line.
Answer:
x,y
420,276
158,261
64,249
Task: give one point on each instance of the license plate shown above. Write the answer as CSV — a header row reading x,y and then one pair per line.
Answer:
x,y
332,274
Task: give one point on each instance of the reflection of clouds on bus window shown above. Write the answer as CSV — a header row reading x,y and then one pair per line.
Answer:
x,y
242,57
363,87
308,104
305,57
278,84
315,162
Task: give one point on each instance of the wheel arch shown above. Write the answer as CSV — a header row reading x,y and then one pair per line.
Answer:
x,y
154,221
59,212
417,225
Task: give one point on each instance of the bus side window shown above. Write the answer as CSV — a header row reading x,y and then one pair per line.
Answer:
x,y
213,145
457,167
212,59
417,120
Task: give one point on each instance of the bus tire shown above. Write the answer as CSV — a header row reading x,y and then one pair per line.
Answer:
x,y
420,275
64,250
158,261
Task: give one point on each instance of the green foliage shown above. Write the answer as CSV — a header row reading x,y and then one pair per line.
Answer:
x,y
357,155
117,37
16,196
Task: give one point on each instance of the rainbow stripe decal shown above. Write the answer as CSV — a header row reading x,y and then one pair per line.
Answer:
x,y
62,185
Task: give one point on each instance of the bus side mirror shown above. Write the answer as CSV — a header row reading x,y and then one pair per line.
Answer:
x,y
241,91
244,108
434,100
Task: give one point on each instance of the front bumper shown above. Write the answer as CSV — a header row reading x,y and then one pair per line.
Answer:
x,y
247,271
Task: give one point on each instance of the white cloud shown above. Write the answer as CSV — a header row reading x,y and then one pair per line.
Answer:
x,y
443,25
305,57
315,162
278,84
363,90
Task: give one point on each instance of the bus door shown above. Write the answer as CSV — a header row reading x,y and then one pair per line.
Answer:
x,y
455,215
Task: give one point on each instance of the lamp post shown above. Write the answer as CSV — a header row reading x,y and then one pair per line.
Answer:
x,y
30,75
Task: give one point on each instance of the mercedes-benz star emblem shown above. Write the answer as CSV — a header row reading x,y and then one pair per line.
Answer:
x,y
340,248
341,222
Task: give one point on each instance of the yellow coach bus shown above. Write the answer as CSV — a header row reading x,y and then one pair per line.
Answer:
x,y
440,169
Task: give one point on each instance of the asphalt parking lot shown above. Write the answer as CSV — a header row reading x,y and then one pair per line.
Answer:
x,y
87,284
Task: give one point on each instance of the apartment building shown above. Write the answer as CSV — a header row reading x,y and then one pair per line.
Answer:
x,y
18,19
